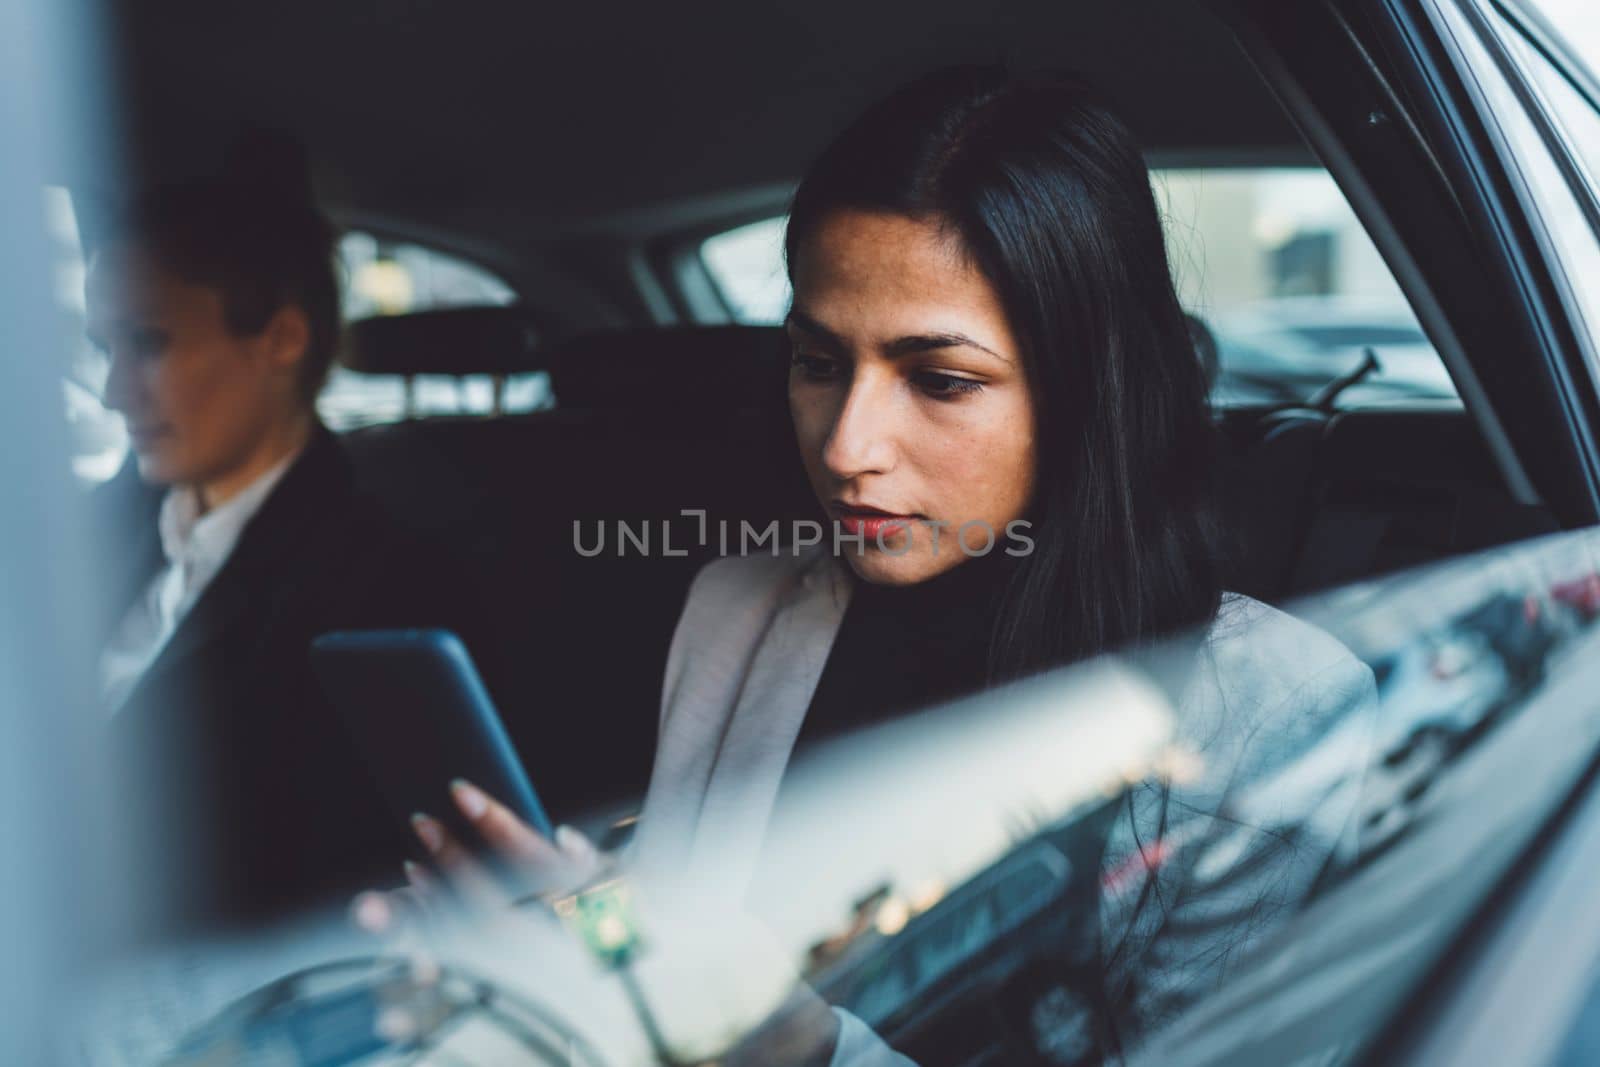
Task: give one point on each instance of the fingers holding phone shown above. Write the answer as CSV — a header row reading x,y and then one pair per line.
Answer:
x,y
531,863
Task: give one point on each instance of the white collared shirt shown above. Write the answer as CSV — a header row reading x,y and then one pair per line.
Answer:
x,y
196,546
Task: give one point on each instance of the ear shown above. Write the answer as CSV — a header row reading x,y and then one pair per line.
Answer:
x,y
288,337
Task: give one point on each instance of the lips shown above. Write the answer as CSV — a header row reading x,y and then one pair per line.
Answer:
x,y
144,436
869,522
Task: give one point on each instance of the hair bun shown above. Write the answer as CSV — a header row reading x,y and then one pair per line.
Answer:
x,y
270,164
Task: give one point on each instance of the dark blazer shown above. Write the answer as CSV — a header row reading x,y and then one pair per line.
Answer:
x,y
251,797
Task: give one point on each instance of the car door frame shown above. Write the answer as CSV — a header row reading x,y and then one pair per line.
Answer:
x,y
1377,95
1467,195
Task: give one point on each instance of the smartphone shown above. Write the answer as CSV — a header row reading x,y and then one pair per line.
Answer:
x,y
419,712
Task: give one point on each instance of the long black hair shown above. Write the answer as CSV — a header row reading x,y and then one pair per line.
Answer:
x,y
1048,193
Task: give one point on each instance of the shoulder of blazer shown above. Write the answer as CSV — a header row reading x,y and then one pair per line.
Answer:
x,y
315,525
306,541
731,606
724,586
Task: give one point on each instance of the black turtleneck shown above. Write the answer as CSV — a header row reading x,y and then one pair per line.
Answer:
x,y
901,648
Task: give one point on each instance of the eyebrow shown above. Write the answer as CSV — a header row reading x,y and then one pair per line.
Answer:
x,y
900,346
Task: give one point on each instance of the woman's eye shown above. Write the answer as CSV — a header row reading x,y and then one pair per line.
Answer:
x,y
148,342
814,367
945,386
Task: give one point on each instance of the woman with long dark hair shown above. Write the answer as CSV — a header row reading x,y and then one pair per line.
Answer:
x,y
998,403
1045,196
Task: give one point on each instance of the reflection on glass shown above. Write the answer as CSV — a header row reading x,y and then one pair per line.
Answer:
x,y
381,1012
963,883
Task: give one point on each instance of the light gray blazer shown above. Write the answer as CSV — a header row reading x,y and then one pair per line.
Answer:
x,y
749,650
745,658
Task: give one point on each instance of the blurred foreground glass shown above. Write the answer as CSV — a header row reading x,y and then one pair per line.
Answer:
x,y
56,895
946,878
1578,21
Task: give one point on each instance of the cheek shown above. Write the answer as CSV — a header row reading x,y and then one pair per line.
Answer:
x,y
986,470
210,391
151,383
188,388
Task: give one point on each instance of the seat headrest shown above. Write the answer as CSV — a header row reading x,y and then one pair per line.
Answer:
x,y
452,341
718,367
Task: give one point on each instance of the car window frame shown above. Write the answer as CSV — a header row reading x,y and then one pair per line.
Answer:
x,y
1552,135
678,265
1515,214
1526,929
1383,104
1473,166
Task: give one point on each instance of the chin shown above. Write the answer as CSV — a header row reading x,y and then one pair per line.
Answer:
x,y
159,468
881,568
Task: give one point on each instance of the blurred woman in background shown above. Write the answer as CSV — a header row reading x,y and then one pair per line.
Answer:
x,y
237,535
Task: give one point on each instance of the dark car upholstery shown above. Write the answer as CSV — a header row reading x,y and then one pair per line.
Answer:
x,y
679,372
1316,499
478,340
651,422
1393,488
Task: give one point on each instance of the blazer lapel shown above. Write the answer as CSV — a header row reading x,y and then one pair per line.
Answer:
x,y
733,714
254,572
767,719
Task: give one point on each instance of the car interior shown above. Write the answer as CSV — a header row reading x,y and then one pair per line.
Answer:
x,y
563,363
584,161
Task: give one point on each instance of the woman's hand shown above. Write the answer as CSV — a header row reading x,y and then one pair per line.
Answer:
x,y
523,864
804,1032
465,897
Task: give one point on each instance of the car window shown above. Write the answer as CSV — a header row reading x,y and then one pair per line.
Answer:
x,y
1399,815
1276,263
1025,888
884,987
1273,260
384,277
746,263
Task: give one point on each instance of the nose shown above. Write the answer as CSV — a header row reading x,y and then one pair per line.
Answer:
x,y
861,440
120,384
